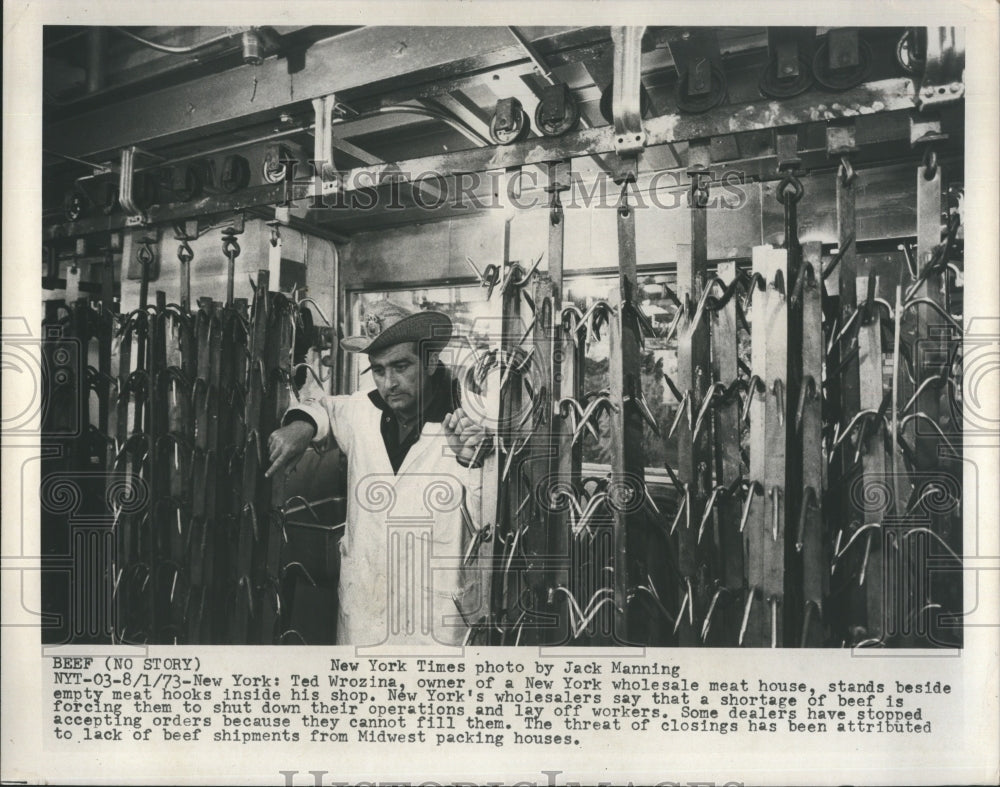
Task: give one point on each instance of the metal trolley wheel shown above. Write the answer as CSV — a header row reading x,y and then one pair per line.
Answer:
x,y
560,127
841,78
910,51
273,168
696,104
774,86
76,204
521,130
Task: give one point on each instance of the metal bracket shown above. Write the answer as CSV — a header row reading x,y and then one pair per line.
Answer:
x,y
557,112
925,130
944,70
509,123
788,71
323,146
555,101
841,140
701,79
786,146
842,49
630,137
126,177
508,112
787,53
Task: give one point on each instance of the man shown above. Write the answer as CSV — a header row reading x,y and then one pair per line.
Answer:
x,y
409,458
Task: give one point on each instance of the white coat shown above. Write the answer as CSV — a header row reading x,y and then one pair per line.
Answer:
x,y
402,553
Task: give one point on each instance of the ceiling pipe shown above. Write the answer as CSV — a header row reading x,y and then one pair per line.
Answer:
x,y
95,59
400,109
183,50
406,109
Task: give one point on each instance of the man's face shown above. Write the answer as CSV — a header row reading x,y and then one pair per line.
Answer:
x,y
400,377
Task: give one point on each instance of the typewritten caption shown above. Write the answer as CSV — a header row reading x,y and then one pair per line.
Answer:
x,y
467,703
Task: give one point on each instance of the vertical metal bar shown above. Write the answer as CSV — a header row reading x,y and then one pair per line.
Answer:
x,y
725,370
566,366
141,329
755,621
231,432
123,522
844,387
278,365
930,351
775,493
201,463
847,273
559,181
512,401
175,464
251,516
690,346
215,553
627,459
899,480
159,481
811,538
492,501
872,488
107,330
533,521
336,373
694,452
930,345
791,603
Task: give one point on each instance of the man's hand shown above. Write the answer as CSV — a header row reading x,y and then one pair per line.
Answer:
x,y
467,439
288,444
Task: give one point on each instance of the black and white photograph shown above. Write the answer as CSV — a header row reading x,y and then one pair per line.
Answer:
x,y
558,382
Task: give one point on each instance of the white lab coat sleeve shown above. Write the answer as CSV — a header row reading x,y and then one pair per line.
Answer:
x,y
333,419
472,480
470,596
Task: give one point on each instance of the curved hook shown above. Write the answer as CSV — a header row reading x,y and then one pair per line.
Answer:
x,y
754,488
315,305
809,500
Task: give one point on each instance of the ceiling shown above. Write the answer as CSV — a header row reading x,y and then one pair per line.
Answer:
x,y
401,93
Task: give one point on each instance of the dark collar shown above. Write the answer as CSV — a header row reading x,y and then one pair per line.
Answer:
x,y
441,402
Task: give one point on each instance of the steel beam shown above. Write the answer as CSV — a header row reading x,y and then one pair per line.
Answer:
x,y
891,95
874,98
233,98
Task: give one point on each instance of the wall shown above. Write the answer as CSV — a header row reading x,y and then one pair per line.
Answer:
x,y
744,217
